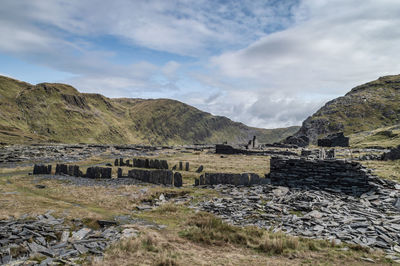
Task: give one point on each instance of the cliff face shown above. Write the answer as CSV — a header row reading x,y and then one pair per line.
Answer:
x,y
59,113
367,107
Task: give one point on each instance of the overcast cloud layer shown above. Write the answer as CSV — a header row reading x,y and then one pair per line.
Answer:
x,y
264,63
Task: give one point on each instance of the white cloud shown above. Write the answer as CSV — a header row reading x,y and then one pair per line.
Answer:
x,y
318,49
341,44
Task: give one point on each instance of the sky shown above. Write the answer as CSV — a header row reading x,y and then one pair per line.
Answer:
x,y
268,63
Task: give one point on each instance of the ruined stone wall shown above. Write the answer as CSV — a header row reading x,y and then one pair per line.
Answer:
x,y
73,170
245,179
333,175
40,169
162,176
143,163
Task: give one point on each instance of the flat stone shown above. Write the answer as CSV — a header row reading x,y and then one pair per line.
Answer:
x,y
82,249
313,214
143,207
80,234
129,233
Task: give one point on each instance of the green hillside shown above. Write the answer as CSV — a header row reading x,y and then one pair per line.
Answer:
x,y
59,113
367,107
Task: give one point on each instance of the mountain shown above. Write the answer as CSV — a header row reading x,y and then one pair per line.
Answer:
x,y
367,107
52,112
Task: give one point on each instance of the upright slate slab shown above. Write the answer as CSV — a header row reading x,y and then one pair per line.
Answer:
x,y
119,172
177,179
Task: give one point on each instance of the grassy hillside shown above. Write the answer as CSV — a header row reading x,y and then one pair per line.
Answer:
x,y
59,113
385,137
367,107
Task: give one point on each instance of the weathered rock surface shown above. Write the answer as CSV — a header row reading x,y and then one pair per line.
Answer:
x,y
334,140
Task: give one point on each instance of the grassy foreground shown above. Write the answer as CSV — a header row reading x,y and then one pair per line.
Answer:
x,y
190,237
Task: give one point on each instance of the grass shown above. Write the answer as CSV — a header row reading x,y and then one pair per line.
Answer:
x,y
190,237
385,137
207,229
385,169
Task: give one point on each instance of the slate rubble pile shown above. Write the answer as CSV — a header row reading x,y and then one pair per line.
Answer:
x,y
54,241
371,220
14,155
49,153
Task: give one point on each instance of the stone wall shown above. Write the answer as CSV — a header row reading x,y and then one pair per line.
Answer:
x,y
333,175
40,169
162,176
393,154
227,149
71,170
143,163
99,172
245,179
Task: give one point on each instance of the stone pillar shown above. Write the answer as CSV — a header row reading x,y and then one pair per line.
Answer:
x,y
187,166
201,180
48,170
119,172
178,179
180,166
200,169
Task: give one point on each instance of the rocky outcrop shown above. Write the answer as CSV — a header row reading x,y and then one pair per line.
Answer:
x,y
301,141
334,140
366,107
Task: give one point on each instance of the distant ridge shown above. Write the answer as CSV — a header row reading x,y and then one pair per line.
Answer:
x,y
53,112
370,106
